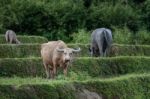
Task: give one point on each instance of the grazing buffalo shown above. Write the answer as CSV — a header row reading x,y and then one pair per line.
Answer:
x,y
101,40
11,37
56,54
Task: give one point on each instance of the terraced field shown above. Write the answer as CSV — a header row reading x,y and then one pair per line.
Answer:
x,y
124,75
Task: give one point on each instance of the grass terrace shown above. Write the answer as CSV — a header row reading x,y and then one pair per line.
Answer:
x,y
26,39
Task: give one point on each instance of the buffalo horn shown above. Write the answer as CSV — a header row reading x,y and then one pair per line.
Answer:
x,y
76,50
60,50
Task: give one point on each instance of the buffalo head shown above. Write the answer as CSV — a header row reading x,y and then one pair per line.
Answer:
x,y
94,51
67,53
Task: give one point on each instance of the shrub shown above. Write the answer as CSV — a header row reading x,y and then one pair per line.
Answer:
x,y
82,37
122,36
53,20
143,37
107,15
125,36
42,17
145,16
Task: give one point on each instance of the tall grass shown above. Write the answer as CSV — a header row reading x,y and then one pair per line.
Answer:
x,y
82,36
120,35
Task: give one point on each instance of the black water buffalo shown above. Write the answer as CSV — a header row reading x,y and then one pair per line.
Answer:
x,y
101,40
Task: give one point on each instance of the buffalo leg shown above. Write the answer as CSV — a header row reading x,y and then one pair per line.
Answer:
x,y
51,73
65,70
54,71
105,52
100,47
6,37
11,40
47,71
100,50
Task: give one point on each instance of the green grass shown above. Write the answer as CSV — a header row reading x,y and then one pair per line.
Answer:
x,y
22,75
39,80
33,50
84,66
133,86
117,50
121,35
26,39
22,50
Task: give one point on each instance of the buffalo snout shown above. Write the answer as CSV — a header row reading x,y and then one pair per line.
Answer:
x,y
67,60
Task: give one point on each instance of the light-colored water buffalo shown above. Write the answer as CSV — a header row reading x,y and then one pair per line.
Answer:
x,y
101,41
11,37
56,54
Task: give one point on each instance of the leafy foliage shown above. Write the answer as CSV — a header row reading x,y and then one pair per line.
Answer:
x,y
59,19
81,37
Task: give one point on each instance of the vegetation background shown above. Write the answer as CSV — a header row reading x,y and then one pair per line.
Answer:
x,y
125,75
74,20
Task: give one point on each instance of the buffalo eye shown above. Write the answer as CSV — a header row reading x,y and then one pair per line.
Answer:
x,y
70,54
65,53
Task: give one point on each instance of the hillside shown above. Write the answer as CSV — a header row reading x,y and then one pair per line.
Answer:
x,y
123,76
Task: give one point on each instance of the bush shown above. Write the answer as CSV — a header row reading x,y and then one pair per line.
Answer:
x,y
120,35
107,15
125,36
24,19
49,18
143,37
145,16
81,37
53,20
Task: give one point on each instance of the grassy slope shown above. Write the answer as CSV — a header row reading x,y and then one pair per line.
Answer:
x,y
81,73
18,81
30,50
118,50
26,39
22,50
95,67
124,87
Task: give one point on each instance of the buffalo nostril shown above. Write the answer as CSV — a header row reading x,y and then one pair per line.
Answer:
x,y
67,60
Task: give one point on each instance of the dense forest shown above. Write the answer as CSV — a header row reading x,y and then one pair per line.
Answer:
x,y
65,19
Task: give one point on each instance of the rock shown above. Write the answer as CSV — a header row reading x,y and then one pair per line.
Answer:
x,y
86,94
